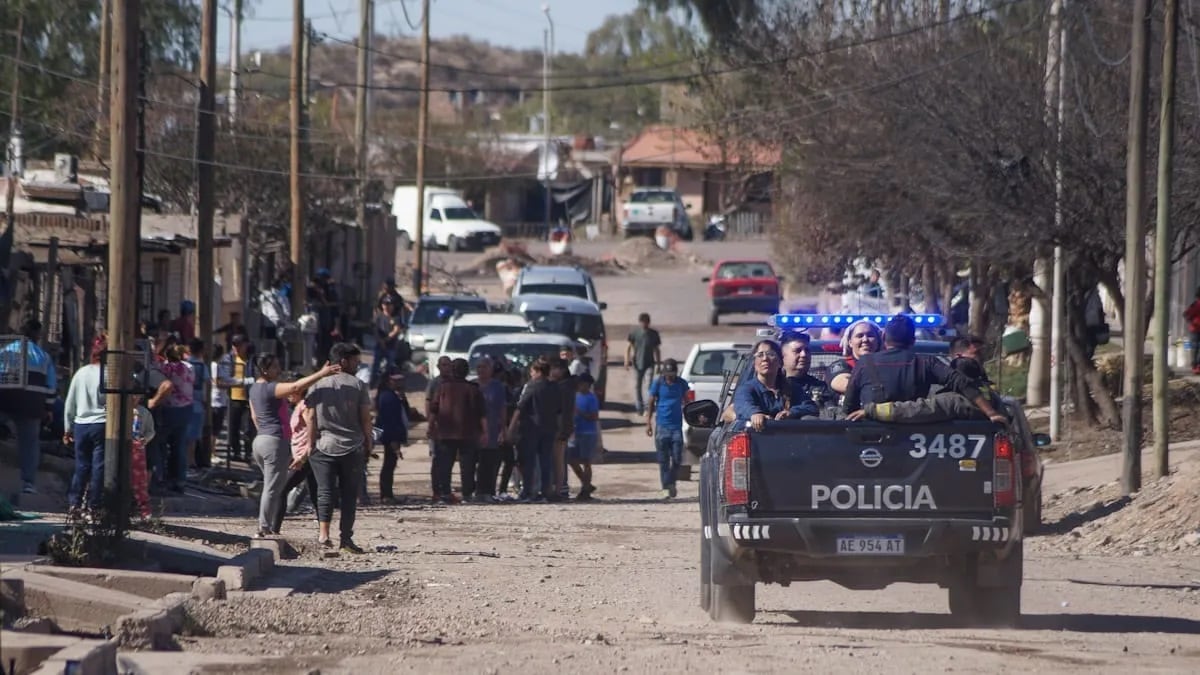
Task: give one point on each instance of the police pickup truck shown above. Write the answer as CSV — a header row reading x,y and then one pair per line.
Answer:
x,y
863,504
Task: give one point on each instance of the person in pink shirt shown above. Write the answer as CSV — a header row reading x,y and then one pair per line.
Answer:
x,y
174,398
299,472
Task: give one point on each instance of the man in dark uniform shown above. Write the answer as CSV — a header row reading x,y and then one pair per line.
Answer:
x,y
797,357
899,374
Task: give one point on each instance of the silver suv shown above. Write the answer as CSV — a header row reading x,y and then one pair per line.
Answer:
x,y
573,282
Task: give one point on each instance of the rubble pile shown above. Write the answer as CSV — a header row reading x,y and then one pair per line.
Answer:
x,y
1163,518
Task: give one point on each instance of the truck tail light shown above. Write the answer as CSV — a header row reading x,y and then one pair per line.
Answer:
x,y
737,471
690,396
1004,488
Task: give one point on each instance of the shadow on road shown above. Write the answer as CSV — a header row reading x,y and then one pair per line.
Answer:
x,y
611,423
1077,623
336,581
1157,587
629,457
1074,520
209,537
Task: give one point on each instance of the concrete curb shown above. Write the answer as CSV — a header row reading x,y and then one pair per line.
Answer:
x,y
152,628
86,657
246,567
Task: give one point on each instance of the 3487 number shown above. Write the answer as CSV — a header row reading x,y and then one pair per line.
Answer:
x,y
955,446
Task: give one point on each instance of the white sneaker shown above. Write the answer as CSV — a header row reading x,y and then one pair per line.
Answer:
x,y
665,494
29,489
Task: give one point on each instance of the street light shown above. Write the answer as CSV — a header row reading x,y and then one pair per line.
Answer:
x,y
548,38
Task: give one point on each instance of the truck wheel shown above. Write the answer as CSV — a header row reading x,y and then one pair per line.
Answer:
x,y
405,241
732,604
705,572
998,606
714,317
452,244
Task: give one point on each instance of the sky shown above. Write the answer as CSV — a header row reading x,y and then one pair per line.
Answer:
x,y
507,23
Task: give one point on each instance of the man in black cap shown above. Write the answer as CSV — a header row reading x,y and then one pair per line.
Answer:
x,y
898,374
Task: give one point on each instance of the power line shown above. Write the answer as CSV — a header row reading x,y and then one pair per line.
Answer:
x,y
727,70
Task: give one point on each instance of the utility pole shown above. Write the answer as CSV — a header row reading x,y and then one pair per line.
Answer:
x,y
124,204
103,87
235,59
1057,61
422,139
206,139
14,124
548,54
299,273
1162,239
366,27
1135,248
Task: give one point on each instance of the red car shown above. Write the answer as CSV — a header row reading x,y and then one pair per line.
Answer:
x,y
742,286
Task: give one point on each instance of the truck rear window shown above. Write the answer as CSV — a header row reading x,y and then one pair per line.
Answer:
x,y
652,198
714,363
572,290
745,270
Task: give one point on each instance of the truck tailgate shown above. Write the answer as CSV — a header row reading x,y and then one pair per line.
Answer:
x,y
843,468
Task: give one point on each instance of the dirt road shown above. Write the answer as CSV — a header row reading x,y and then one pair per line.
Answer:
x,y
612,586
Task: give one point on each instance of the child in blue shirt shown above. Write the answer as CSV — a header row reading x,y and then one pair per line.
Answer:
x,y
581,449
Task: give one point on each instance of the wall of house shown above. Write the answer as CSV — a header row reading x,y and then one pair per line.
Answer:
x,y
162,277
689,183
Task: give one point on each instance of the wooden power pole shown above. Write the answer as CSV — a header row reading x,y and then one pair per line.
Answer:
x,y
422,139
1135,249
366,28
1162,240
14,126
299,274
124,203
206,139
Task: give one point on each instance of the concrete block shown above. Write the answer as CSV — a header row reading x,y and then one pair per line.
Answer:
x,y
75,606
180,557
233,576
29,650
192,662
151,585
263,559
145,629
278,546
209,588
85,657
12,597
26,537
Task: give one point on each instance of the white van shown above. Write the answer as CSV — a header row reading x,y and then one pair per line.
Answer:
x,y
449,221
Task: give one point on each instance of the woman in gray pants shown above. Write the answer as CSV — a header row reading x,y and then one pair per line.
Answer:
x,y
271,449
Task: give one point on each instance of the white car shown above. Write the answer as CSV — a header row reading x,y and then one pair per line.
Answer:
x,y
705,371
514,350
578,319
464,329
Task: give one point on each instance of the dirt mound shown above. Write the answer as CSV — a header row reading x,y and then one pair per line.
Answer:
x,y
1164,517
640,253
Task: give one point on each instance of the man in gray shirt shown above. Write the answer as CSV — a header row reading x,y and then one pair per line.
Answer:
x,y
339,415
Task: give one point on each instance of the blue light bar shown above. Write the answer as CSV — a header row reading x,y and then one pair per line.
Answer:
x,y
802,321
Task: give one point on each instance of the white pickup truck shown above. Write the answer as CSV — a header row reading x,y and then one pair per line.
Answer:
x,y
648,208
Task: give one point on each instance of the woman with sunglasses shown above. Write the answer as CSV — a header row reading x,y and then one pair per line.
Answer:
x,y
862,337
767,395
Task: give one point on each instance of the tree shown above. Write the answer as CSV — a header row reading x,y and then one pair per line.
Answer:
x,y
60,60
921,140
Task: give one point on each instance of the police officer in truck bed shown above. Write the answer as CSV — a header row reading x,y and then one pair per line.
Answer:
x,y
900,374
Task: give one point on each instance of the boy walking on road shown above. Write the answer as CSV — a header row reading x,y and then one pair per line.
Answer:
x,y
643,353
664,423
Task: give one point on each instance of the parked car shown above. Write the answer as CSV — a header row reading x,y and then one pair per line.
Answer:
x,y
557,280
464,329
705,370
648,208
576,318
742,286
450,223
517,350
431,314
